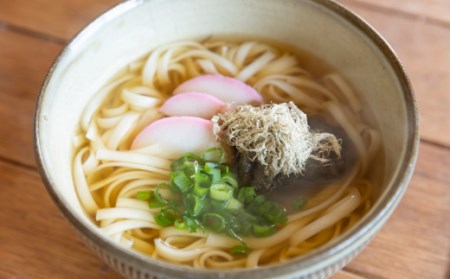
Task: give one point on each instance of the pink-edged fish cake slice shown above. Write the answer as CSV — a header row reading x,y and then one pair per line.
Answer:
x,y
193,104
178,135
229,90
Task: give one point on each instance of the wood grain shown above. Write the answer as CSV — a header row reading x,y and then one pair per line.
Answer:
x,y
424,50
58,19
35,240
415,243
24,62
437,11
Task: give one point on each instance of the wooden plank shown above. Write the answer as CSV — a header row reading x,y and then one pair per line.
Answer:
x,y
60,19
415,242
434,10
24,62
35,240
345,274
424,50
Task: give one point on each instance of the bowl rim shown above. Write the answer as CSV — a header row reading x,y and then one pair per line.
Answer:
x,y
384,207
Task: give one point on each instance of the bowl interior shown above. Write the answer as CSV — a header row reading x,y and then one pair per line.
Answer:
x,y
135,27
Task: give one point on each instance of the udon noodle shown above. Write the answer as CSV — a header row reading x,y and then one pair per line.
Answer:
x,y
108,175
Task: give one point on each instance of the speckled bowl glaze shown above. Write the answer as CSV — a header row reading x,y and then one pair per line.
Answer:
x,y
321,27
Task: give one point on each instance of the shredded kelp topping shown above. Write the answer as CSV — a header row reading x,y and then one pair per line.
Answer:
x,y
275,135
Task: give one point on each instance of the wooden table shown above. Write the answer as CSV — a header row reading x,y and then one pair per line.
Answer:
x,y
36,241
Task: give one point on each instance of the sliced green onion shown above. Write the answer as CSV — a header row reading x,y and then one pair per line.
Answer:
x,y
178,164
221,192
182,164
236,228
230,180
179,224
265,207
216,175
214,154
196,168
263,230
214,221
246,195
213,170
181,181
256,203
158,196
200,191
245,217
276,215
216,205
206,195
202,184
210,166
224,169
191,223
186,163
155,204
188,157
144,195
259,199
193,205
239,250
203,179
276,218
165,218
194,157
233,205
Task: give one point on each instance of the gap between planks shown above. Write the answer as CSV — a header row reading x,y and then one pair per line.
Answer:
x,y
435,144
31,33
18,164
361,274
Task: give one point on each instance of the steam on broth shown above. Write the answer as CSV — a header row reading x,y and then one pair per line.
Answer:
x,y
130,137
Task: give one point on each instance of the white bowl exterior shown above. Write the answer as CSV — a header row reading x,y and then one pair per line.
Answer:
x,y
135,27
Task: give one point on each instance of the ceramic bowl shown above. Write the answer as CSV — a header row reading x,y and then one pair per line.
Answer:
x,y
321,27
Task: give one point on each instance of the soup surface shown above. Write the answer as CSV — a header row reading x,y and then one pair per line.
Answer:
x,y
155,111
